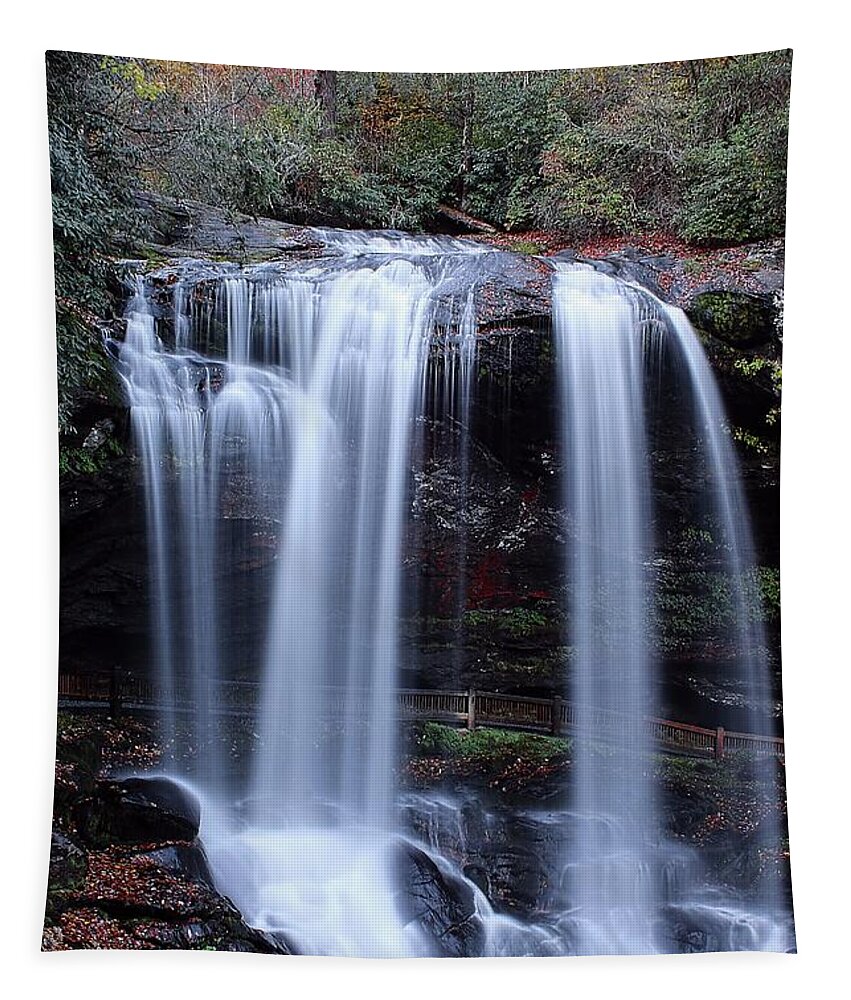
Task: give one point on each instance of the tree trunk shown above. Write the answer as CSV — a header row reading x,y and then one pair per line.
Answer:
x,y
466,164
325,84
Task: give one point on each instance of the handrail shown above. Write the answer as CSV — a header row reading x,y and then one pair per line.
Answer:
x,y
472,708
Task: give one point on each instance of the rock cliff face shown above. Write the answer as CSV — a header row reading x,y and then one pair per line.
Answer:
x,y
485,554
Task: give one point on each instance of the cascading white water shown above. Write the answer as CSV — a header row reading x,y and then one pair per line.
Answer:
x,y
321,384
598,340
731,513
183,431
730,509
453,391
392,241
626,884
306,385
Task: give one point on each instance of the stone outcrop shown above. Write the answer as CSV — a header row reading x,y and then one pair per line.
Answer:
x,y
127,869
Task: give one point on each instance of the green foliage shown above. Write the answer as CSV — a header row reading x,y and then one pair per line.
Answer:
x,y
84,461
700,146
517,622
91,178
696,598
487,744
591,152
131,71
751,441
750,367
580,194
511,126
737,184
735,168
768,581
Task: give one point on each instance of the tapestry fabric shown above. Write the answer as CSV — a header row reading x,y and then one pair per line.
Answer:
x,y
419,466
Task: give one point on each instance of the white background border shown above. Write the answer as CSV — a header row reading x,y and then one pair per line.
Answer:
x,y
443,35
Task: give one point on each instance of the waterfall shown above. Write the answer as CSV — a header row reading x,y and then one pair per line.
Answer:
x,y
728,504
626,883
752,665
370,341
290,398
597,331
319,387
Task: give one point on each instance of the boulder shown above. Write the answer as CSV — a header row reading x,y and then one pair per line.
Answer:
x,y
511,854
139,811
67,863
188,860
187,228
443,906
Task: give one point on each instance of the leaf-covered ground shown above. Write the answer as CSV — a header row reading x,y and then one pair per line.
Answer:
x,y
126,895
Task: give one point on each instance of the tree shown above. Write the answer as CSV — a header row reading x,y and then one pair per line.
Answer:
x,y
92,170
326,94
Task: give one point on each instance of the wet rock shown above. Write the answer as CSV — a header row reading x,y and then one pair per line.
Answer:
x,y
513,856
188,860
691,928
441,905
511,292
103,619
99,434
139,811
121,897
184,228
67,865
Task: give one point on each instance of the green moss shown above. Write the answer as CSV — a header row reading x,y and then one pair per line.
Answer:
x,y
734,317
483,744
527,247
696,602
546,667
517,622
153,258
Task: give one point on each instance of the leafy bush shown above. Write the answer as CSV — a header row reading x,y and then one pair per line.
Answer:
x,y
737,189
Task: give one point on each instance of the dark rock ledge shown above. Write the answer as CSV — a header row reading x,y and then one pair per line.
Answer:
x,y
127,870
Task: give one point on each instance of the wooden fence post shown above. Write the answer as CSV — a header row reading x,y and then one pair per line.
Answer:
x,y
471,709
115,692
555,727
719,743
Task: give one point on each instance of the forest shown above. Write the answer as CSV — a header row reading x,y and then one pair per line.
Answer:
x,y
695,149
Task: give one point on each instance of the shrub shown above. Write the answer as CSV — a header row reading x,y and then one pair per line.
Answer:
x,y
737,185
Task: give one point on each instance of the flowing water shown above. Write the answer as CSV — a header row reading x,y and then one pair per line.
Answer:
x,y
597,326
626,883
298,391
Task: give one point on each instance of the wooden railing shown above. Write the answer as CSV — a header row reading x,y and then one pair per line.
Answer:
x,y
126,692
